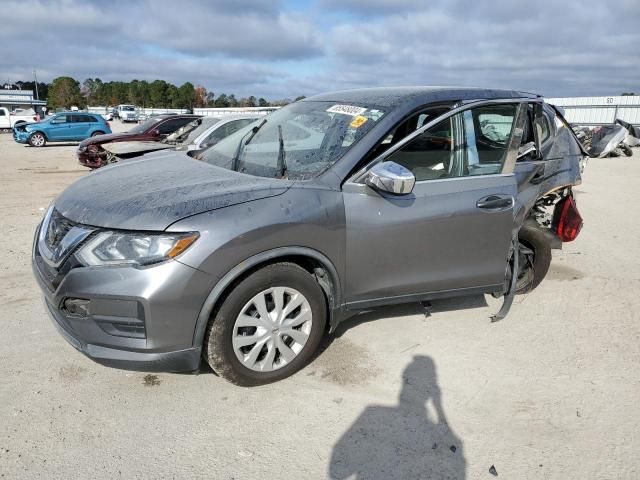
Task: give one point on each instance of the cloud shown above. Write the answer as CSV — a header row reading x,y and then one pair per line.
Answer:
x,y
277,48
373,7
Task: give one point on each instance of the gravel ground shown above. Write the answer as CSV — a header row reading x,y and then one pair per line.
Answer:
x,y
550,392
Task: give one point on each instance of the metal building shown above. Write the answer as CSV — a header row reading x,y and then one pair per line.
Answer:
x,y
12,99
591,111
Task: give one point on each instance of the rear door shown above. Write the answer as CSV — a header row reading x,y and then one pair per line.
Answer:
x,y
80,126
452,234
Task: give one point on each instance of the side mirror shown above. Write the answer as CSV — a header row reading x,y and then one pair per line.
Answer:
x,y
526,149
391,177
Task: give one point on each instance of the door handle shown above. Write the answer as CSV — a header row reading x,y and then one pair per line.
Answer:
x,y
494,202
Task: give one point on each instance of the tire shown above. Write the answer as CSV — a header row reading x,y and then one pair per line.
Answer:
x,y
95,134
37,139
265,361
627,150
534,260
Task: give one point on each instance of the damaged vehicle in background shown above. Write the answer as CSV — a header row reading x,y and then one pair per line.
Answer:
x,y
335,204
91,154
61,127
193,137
609,140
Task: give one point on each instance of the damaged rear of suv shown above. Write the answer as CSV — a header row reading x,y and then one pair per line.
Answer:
x,y
341,202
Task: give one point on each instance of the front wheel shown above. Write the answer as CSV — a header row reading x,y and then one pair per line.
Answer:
x,y
268,327
37,140
626,149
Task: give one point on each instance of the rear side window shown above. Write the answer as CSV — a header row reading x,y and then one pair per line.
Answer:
x,y
2,113
83,119
546,128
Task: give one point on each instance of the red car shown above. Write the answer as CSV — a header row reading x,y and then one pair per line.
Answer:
x,y
91,154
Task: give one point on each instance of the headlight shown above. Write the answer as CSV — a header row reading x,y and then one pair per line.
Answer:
x,y
120,248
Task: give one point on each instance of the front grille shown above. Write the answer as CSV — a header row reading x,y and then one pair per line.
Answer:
x,y
57,239
57,228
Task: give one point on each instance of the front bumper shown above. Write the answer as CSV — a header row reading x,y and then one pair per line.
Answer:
x,y
138,318
21,136
89,159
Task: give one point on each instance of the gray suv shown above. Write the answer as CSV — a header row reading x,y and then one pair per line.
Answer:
x,y
338,203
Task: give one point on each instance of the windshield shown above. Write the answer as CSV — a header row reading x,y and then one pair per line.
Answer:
x,y
314,136
143,127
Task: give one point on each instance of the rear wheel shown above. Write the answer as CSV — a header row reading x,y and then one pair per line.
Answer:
x,y
626,150
268,326
37,139
95,134
534,259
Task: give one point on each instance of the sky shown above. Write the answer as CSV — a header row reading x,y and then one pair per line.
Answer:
x,y
285,48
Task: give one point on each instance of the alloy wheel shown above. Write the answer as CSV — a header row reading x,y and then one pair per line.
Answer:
x,y
37,139
272,329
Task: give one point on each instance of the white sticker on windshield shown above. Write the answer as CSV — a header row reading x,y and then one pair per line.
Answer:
x,y
347,110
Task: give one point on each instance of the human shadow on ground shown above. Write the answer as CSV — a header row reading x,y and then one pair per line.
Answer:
x,y
403,441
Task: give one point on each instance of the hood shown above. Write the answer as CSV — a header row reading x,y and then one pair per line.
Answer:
x,y
121,148
109,137
158,190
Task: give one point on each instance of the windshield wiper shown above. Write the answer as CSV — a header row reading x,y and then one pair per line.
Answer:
x,y
282,163
235,162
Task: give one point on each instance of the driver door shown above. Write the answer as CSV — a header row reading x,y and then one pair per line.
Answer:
x,y
59,127
449,236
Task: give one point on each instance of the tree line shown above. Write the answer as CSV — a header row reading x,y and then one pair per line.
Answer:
x,y
64,92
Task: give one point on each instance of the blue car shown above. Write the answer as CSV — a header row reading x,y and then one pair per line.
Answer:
x,y
61,127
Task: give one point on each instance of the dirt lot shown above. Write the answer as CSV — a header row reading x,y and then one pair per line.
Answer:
x,y
552,392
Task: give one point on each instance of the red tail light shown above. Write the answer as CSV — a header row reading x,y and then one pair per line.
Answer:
x,y
567,219
108,125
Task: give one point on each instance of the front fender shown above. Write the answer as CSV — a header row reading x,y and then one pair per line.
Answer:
x,y
252,262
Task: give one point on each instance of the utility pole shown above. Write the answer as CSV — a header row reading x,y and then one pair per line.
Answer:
x,y
35,78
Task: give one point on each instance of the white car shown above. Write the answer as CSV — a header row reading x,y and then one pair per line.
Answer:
x,y
9,120
194,137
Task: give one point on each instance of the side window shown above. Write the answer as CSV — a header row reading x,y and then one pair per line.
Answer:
x,y
91,119
61,119
1,113
79,118
236,125
473,142
224,131
546,128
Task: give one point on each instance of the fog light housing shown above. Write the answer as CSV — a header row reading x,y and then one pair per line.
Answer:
x,y
77,307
